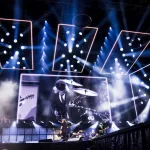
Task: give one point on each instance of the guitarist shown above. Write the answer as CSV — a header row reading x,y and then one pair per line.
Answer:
x,y
63,130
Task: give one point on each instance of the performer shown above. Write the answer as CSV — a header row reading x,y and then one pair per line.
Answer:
x,y
63,130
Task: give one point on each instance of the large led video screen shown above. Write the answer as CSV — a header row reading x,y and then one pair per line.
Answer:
x,y
54,97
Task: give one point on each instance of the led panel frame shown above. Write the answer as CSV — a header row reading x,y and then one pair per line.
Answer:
x,y
133,96
54,58
31,35
125,31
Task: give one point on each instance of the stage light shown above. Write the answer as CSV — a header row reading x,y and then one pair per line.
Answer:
x,y
71,66
21,35
61,65
65,44
5,52
123,55
7,62
85,40
111,68
74,56
11,57
65,69
78,61
120,68
118,64
18,63
144,95
139,39
142,102
110,28
133,55
130,44
42,122
129,123
67,32
127,64
77,45
127,37
132,50
75,70
63,55
24,67
9,46
23,58
2,40
13,27
22,47
15,40
140,45
142,82
72,39
17,52
116,59
147,87
7,34
70,50
13,67
139,90
67,60
80,33
125,60
145,75
121,49
81,52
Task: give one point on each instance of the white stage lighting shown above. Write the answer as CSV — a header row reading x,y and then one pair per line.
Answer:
x,y
67,32
77,45
139,90
127,64
65,44
116,59
15,40
125,60
132,50
72,39
80,33
130,44
123,55
74,56
18,63
24,67
17,52
67,60
13,27
127,37
75,70
63,55
139,39
71,66
61,65
7,62
81,52
121,49
5,52
78,61
13,67
7,34
9,46
2,40
145,75
23,58
111,68
11,57
22,47
21,35
85,40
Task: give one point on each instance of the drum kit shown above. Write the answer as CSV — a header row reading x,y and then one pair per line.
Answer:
x,y
80,90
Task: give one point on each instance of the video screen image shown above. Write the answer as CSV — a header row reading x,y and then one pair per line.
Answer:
x,y
54,97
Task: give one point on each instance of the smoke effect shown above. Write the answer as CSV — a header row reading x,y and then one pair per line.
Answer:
x,y
8,95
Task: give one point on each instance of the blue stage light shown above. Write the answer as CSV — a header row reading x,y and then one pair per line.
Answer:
x,y
85,40
70,50
11,57
24,67
132,50
116,59
13,67
74,56
18,63
125,60
140,45
127,64
13,27
78,61
133,55
7,62
139,39
111,68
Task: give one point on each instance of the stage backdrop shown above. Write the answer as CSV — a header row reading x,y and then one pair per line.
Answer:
x,y
53,97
